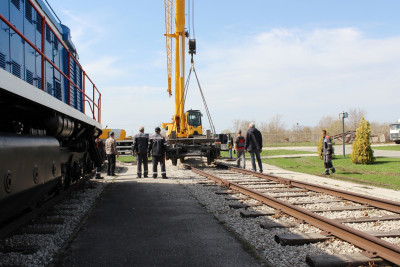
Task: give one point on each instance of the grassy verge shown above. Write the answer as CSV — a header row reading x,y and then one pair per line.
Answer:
x,y
290,144
394,148
273,153
129,158
383,173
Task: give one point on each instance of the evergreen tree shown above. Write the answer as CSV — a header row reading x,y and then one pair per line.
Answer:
x,y
362,151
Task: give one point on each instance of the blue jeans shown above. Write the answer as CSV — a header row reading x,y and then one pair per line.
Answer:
x,y
230,153
253,160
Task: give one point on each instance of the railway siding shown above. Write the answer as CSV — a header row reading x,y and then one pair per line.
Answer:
x,y
369,242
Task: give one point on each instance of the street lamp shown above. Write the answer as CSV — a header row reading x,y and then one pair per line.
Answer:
x,y
343,115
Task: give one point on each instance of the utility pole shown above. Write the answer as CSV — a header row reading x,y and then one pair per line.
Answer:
x,y
343,115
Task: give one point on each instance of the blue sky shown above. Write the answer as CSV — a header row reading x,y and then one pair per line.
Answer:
x,y
255,59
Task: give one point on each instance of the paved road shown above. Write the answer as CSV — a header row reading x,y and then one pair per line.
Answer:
x,y
147,222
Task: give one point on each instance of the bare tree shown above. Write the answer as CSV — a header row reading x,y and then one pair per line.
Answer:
x,y
276,125
240,125
355,115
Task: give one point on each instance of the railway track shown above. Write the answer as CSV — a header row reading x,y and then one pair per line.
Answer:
x,y
323,207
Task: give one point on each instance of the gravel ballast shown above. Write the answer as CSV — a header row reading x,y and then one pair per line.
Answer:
x,y
74,210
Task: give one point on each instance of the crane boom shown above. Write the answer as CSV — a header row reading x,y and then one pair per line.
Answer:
x,y
178,121
168,34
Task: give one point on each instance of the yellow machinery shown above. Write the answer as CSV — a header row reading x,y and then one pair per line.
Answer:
x,y
124,143
185,133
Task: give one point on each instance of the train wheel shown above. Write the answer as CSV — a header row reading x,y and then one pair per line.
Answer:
x,y
182,159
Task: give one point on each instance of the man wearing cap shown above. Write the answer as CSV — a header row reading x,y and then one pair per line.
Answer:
x,y
139,147
111,152
157,150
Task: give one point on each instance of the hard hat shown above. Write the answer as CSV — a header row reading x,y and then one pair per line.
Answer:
x,y
158,129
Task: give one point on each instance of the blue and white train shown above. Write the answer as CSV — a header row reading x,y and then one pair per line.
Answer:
x,y
49,108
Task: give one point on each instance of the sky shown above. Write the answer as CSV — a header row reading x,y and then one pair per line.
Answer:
x,y
302,60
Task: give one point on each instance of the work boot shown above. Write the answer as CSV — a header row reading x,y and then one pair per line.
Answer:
x,y
145,176
154,176
164,176
327,172
139,175
333,170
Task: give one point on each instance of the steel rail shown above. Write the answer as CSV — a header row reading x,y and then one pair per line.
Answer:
x,y
367,242
359,198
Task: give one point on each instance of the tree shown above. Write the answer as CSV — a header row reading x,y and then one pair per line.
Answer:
x,y
362,151
355,115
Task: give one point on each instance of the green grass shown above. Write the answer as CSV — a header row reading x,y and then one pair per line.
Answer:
x,y
384,172
128,158
394,148
290,144
277,152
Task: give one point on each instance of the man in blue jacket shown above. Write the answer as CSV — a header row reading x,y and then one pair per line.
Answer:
x,y
254,146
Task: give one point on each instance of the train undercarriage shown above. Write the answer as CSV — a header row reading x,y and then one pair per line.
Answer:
x,y
42,151
180,148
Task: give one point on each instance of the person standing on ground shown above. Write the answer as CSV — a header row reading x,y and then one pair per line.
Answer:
x,y
229,142
111,153
254,146
240,143
157,150
140,145
326,152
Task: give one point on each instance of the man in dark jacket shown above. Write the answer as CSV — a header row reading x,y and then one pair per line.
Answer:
x,y
157,149
326,152
254,146
140,144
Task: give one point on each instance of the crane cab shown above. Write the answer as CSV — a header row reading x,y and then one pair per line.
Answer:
x,y
193,120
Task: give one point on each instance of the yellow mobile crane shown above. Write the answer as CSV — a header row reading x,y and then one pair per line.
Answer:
x,y
185,133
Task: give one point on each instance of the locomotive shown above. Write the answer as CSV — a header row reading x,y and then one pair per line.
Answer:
x,y
50,110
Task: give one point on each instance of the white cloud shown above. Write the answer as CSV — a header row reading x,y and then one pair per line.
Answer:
x,y
304,73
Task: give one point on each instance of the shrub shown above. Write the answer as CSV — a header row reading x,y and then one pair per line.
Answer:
x,y
362,151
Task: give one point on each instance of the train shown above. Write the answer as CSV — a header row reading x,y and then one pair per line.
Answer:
x,y
50,108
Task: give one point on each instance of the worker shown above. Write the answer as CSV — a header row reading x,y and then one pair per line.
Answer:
x,y
157,150
230,144
111,153
254,146
139,147
326,152
240,143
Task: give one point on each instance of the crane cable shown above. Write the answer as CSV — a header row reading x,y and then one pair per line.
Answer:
x,y
204,101
192,68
